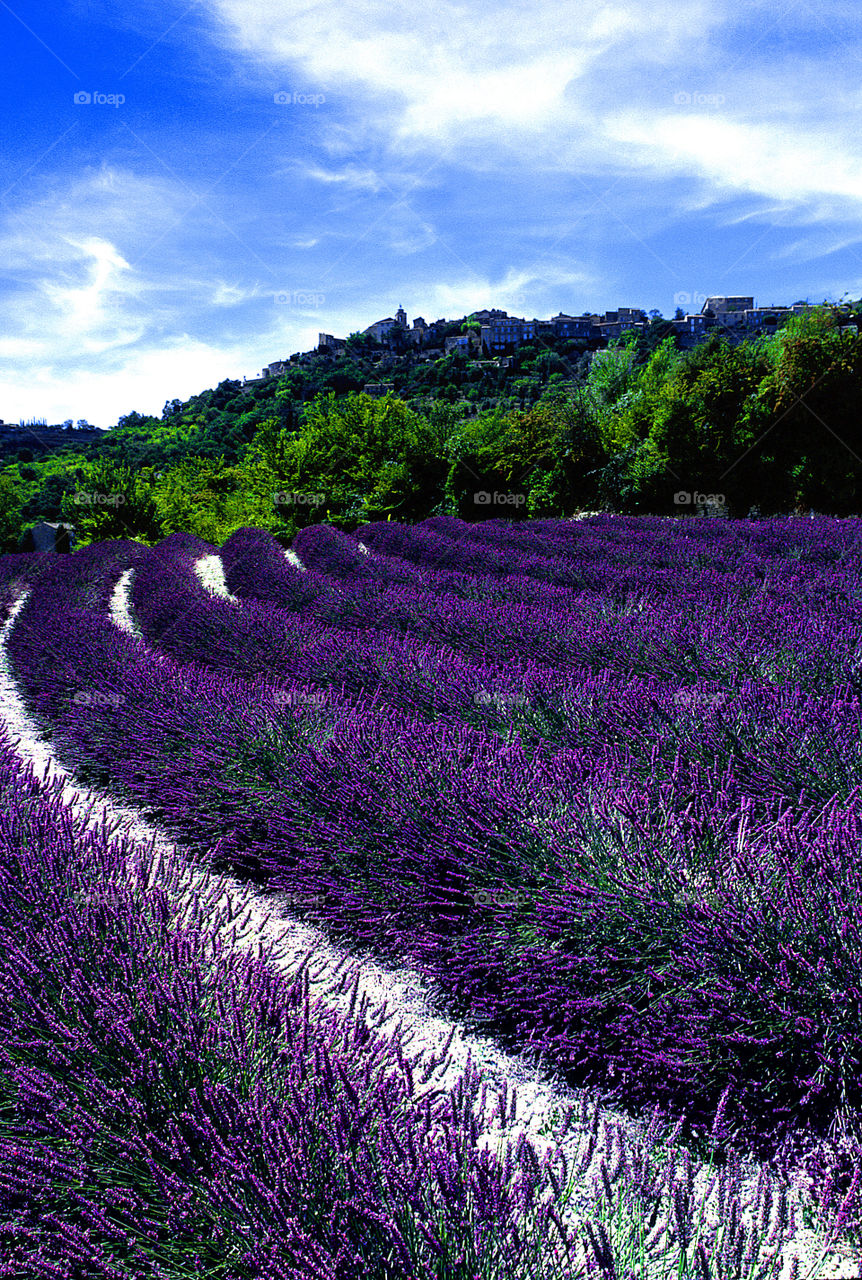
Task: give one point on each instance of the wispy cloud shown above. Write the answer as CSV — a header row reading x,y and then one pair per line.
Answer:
x,y
81,321
351,176
442,70
760,159
594,86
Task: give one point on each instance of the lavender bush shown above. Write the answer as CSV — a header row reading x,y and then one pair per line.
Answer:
x,y
171,1108
614,814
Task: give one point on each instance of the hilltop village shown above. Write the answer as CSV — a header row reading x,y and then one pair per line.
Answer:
x,y
492,336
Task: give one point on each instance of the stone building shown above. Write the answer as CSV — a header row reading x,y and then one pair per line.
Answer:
x,y
49,536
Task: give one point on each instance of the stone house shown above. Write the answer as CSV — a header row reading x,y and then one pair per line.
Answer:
x,y
463,342
49,536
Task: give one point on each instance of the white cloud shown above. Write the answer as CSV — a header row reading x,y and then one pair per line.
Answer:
x,y
72,285
517,291
351,176
406,231
142,381
90,333
520,97
223,294
440,69
84,310
758,158
546,85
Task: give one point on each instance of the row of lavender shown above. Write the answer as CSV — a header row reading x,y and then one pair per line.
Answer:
x,y
171,1109
645,674
630,899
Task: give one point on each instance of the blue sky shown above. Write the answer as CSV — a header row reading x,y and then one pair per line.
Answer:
x,y
275,169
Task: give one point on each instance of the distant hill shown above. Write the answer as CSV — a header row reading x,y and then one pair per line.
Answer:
x,y
17,440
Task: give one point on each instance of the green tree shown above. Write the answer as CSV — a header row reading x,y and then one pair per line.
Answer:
x,y
112,500
11,504
474,463
372,459
210,498
697,439
803,426
612,374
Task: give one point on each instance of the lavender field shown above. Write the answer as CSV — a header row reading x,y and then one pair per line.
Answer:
x,y
599,782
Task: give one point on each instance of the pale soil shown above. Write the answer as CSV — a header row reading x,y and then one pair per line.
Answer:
x,y
210,571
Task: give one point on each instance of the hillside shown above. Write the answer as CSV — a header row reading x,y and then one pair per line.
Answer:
x,y
766,426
